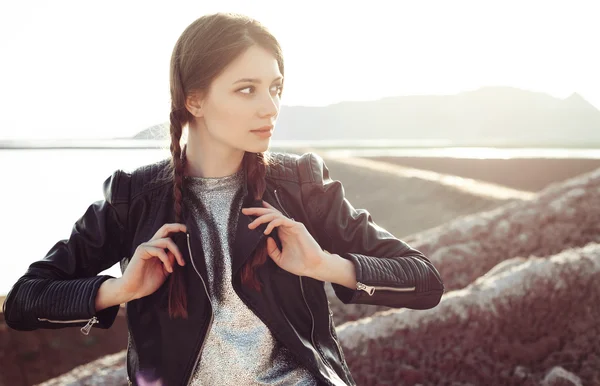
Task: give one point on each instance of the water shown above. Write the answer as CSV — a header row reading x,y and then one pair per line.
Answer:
x,y
469,152
45,191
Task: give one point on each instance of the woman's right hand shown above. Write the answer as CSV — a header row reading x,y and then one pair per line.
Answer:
x,y
151,264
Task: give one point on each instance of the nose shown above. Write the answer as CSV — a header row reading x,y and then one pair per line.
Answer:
x,y
269,106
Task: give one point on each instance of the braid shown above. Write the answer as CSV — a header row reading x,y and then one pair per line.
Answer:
x,y
256,167
194,65
177,295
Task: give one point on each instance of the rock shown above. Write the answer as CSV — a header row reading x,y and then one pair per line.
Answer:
x,y
560,377
108,370
31,357
505,328
564,215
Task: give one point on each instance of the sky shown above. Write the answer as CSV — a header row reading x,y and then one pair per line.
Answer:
x,y
73,69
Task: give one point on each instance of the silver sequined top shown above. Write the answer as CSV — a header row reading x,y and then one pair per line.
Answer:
x,y
239,348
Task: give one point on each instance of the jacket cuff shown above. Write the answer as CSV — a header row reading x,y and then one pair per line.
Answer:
x,y
345,294
74,299
422,292
107,316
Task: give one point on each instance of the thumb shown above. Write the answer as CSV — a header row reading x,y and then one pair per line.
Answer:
x,y
272,249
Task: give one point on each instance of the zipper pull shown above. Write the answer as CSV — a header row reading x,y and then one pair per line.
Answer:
x,y
368,289
85,330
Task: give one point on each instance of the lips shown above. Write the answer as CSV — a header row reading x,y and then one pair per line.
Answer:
x,y
263,129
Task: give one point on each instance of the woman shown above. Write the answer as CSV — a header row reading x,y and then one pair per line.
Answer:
x,y
224,246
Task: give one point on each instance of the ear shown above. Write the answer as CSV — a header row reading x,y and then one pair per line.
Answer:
x,y
193,103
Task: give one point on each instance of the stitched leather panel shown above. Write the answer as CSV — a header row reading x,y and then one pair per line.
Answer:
x,y
311,169
396,272
149,176
283,166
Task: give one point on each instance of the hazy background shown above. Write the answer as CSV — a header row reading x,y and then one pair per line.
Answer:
x,y
78,69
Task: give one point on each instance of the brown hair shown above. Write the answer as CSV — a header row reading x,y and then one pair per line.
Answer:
x,y
202,51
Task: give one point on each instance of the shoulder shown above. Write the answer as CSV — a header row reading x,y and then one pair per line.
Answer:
x,y
303,168
124,185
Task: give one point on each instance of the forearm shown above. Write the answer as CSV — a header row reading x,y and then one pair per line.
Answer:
x,y
336,269
37,302
110,294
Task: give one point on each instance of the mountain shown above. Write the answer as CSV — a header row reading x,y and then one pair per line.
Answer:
x,y
487,114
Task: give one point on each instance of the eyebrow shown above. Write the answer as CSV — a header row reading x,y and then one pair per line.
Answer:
x,y
255,80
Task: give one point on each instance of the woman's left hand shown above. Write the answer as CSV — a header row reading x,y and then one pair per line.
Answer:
x,y
300,254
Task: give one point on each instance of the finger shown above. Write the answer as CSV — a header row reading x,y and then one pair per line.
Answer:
x,y
283,221
272,249
161,255
164,230
268,205
256,211
171,246
273,224
263,218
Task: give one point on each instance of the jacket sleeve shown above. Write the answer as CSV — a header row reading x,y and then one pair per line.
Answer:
x,y
389,271
60,290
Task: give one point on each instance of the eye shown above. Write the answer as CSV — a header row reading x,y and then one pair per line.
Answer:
x,y
279,88
246,88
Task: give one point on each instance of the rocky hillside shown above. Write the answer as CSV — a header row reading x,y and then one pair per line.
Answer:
x,y
561,216
527,321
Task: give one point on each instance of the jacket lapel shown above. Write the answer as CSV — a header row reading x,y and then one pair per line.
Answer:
x,y
245,242
246,239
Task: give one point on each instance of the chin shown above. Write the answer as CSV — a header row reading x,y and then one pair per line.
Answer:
x,y
260,147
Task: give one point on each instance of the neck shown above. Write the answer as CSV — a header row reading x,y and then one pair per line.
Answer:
x,y
206,157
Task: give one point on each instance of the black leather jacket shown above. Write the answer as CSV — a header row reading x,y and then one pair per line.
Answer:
x,y
59,290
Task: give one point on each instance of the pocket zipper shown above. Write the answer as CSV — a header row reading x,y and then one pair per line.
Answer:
x,y
371,289
85,330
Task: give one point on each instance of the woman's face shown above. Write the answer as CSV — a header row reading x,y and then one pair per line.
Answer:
x,y
233,106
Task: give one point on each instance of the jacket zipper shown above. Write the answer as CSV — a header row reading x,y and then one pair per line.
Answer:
x,y
371,289
85,330
127,367
336,340
211,312
312,325
359,286
312,318
281,206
